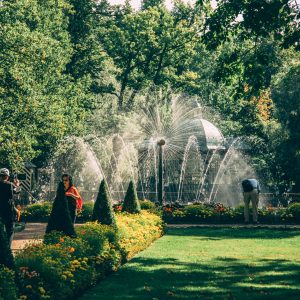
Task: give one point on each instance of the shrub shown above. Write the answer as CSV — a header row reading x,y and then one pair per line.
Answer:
x,y
131,202
8,289
62,267
6,257
60,219
86,212
147,204
37,212
103,211
294,209
138,231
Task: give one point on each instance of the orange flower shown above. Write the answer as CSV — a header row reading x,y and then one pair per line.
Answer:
x,y
57,245
71,249
61,240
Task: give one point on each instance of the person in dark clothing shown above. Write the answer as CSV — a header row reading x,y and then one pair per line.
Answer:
x,y
251,191
8,211
73,197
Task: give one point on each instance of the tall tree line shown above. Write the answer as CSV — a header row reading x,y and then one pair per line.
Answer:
x,y
66,63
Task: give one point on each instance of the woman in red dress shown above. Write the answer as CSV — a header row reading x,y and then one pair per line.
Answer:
x,y
73,197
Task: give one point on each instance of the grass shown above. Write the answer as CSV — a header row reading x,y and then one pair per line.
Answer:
x,y
210,263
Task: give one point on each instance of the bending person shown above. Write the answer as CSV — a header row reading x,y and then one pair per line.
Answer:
x,y
73,197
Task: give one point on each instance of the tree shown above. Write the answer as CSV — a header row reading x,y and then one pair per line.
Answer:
x,y
150,47
286,94
39,103
131,202
60,219
103,211
6,257
252,19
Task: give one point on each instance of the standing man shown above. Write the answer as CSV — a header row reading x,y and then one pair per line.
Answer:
x,y
251,190
8,211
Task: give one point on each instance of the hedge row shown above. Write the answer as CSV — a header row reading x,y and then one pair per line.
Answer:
x,y
218,213
40,212
62,267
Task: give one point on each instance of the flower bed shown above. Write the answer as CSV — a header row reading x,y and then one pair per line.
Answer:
x,y
63,267
219,214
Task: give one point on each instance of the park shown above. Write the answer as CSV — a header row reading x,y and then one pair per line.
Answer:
x,y
149,149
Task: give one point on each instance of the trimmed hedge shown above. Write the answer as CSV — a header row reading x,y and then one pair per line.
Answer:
x,y
103,211
219,214
63,267
131,202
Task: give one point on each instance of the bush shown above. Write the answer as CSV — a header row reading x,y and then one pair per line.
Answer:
x,y
8,289
294,210
86,212
62,267
60,219
218,213
131,202
138,231
38,212
103,211
147,204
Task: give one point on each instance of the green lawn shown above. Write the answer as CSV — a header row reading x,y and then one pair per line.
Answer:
x,y
210,263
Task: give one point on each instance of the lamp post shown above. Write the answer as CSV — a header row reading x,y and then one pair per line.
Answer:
x,y
160,145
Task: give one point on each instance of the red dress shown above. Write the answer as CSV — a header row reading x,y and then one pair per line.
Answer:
x,y
74,194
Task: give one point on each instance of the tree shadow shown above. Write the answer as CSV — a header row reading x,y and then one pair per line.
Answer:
x,y
163,277
223,278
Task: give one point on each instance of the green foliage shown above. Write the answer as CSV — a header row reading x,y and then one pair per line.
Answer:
x,y
39,103
147,204
60,219
131,202
38,212
219,214
103,211
294,209
8,290
150,46
86,212
63,267
6,257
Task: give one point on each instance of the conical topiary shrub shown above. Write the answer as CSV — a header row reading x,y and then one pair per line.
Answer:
x,y
60,219
6,257
103,211
131,202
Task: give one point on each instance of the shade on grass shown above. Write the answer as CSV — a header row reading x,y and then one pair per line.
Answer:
x,y
210,263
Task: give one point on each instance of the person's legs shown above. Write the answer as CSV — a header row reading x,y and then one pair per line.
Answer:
x,y
254,201
246,207
9,228
72,210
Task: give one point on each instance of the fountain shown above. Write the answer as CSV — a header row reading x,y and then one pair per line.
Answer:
x,y
173,153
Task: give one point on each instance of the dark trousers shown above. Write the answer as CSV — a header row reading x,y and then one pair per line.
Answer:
x,y
72,210
9,228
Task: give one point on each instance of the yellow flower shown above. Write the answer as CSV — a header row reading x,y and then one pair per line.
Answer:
x,y
42,290
28,286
